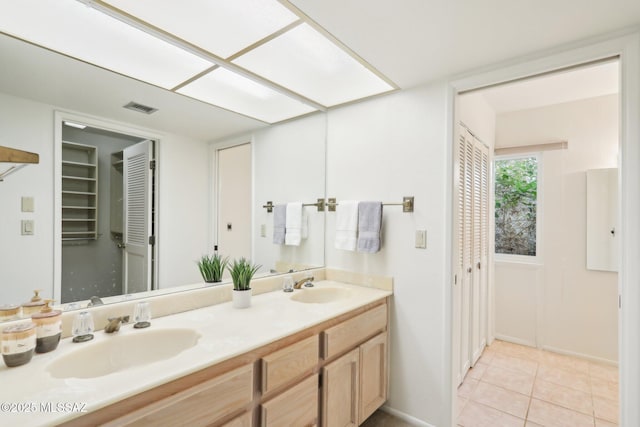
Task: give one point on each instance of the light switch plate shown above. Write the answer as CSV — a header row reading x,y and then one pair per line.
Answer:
x,y
27,227
421,239
27,204
263,230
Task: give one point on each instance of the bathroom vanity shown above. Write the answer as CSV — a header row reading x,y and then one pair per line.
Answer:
x,y
281,362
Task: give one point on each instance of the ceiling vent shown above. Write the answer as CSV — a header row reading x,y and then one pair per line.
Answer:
x,y
140,108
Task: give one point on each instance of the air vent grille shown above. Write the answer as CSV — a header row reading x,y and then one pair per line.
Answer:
x,y
140,108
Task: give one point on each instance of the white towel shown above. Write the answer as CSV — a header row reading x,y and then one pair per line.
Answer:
x,y
346,225
279,223
293,233
369,225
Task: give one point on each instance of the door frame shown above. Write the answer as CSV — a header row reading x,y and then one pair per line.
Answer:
x,y
97,122
625,46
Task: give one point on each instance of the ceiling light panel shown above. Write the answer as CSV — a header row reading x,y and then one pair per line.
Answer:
x,y
237,93
70,27
222,27
308,63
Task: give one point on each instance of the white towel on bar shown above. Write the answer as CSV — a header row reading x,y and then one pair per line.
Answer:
x,y
346,225
369,226
279,223
293,234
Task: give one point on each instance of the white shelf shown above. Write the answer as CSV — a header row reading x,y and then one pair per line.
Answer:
x,y
80,191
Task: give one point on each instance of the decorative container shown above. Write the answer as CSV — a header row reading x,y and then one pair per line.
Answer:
x,y
18,344
241,299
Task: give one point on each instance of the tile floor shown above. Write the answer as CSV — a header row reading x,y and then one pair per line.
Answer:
x,y
514,385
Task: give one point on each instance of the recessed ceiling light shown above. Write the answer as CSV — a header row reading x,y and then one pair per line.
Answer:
x,y
74,125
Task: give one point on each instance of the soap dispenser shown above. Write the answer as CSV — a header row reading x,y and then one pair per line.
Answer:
x,y
48,328
33,306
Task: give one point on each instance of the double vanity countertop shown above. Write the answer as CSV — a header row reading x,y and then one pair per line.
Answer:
x,y
31,396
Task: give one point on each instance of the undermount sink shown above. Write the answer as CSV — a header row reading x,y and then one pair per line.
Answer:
x,y
113,354
321,295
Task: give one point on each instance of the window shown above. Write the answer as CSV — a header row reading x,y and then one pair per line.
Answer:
x,y
516,209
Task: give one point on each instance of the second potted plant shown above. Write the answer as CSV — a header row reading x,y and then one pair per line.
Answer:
x,y
212,266
242,272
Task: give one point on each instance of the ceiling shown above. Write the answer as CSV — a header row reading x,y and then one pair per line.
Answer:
x,y
410,42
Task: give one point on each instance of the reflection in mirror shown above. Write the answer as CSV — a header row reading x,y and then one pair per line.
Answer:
x,y
107,191
37,84
288,163
602,215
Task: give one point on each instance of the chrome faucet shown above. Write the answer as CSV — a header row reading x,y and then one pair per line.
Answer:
x,y
95,301
114,324
306,282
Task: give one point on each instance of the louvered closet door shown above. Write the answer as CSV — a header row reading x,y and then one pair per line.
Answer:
x,y
471,195
137,217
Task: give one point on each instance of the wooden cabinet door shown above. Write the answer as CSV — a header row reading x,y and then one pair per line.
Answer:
x,y
373,375
340,391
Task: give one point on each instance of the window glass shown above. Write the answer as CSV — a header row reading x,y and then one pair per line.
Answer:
x,y
516,196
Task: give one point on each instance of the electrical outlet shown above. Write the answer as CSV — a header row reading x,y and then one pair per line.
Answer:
x,y
27,204
263,230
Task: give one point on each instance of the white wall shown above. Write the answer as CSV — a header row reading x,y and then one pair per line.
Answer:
x,y
26,262
578,308
384,149
289,166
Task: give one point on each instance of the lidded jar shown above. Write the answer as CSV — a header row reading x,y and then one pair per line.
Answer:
x,y
18,344
48,328
33,306
9,312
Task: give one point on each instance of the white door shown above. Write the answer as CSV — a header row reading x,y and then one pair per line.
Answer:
x,y
137,177
471,195
234,201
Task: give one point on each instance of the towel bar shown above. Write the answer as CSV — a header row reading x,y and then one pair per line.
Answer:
x,y
407,204
319,204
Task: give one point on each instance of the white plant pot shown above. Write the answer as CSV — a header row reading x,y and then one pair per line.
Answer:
x,y
241,299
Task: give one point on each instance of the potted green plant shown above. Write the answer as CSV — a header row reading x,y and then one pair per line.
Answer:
x,y
242,272
212,266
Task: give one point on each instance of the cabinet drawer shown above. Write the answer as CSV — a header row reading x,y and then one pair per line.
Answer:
x,y
289,363
297,406
199,405
352,332
244,420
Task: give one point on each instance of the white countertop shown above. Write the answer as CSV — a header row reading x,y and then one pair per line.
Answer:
x,y
225,333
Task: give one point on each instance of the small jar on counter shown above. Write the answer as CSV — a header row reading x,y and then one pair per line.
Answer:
x,y
48,328
18,344
9,312
33,306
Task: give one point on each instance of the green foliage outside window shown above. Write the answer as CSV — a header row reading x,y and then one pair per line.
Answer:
x,y
516,193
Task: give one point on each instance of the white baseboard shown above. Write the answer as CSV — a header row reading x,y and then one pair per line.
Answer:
x,y
580,355
514,340
405,417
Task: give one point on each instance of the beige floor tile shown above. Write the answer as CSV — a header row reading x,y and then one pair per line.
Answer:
x,y
502,399
532,424
462,402
563,377
604,388
477,371
518,350
487,355
514,363
550,415
382,419
467,387
562,361
477,415
605,372
602,423
605,409
563,396
519,382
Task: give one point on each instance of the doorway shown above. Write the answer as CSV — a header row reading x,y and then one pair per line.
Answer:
x,y
544,295
234,184
105,198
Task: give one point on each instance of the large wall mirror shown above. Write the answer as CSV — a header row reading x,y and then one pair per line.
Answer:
x,y
40,89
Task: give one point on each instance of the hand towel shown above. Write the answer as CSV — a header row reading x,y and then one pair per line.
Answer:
x,y
369,225
293,233
279,223
346,225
